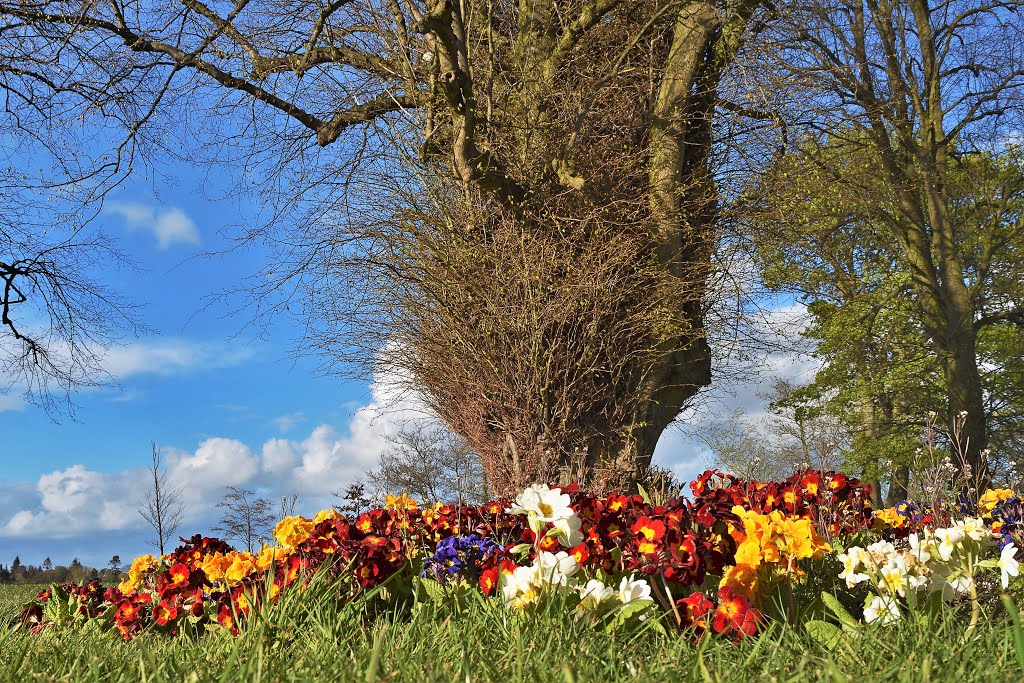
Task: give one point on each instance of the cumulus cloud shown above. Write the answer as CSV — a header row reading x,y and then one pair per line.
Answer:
x,y
168,226
216,464
78,501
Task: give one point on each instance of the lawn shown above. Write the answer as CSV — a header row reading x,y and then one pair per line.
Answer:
x,y
316,638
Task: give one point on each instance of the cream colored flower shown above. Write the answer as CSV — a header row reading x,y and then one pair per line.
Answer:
x,y
975,529
594,597
1007,565
852,560
556,568
567,530
894,576
949,540
884,610
632,590
520,588
542,505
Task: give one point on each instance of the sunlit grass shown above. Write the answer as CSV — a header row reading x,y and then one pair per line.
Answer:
x,y
316,637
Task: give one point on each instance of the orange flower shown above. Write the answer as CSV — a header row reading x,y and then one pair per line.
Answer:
x,y
178,575
742,578
165,612
329,513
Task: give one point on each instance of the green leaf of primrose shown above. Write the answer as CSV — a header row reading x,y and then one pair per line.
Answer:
x,y
643,494
845,618
825,633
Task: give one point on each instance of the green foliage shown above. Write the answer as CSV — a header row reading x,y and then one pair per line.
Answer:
x,y
826,228
319,637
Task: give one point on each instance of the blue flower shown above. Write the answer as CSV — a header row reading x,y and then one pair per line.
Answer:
x,y
460,556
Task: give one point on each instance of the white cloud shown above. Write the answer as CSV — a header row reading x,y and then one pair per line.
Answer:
x,y
285,423
11,402
167,357
216,464
168,226
76,501
79,502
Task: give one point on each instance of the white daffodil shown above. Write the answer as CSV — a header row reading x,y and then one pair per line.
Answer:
x,y
949,539
632,589
542,505
884,610
567,530
556,568
975,529
1007,565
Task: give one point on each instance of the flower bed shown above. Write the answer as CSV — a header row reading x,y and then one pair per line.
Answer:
x,y
723,563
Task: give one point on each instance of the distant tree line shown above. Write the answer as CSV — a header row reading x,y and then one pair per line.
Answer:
x,y
47,572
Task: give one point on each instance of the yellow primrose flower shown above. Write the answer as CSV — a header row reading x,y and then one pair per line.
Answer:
x,y
400,503
329,513
268,556
992,497
241,566
291,531
213,566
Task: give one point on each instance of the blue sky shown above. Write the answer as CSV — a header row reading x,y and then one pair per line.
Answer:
x,y
228,409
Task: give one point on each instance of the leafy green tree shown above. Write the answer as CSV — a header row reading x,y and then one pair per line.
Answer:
x,y
920,94
818,233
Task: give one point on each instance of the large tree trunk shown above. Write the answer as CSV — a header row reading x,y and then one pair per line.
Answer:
x,y
532,412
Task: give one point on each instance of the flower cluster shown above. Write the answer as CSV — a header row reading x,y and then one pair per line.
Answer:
x,y
836,502
472,558
734,616
770,545
612,558
945,561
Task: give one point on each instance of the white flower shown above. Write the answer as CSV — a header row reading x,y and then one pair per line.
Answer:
x,y
884,610
975,529
542,505
949,539
632,589
920,550
894,576
851,560
567,530
556,568
917,583
1007,565
520,587
881,549
593,597
962,584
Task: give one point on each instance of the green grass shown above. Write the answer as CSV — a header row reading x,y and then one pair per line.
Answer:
x,y
318,639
